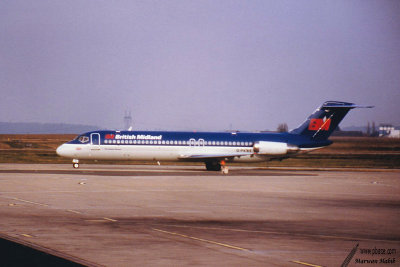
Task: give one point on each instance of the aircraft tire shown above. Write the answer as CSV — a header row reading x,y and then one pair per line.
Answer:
x,y
75,165
213,166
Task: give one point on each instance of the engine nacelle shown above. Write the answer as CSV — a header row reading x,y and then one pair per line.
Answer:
x,y
274,148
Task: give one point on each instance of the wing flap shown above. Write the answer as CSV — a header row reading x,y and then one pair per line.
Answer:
x,y
214,156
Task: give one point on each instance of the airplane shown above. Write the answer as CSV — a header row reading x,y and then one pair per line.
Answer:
x,y
212,148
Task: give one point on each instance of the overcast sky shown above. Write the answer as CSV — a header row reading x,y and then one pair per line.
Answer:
x,y
197,65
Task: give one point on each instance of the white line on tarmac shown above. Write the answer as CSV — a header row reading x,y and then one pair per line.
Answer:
x,y
74,211
306,264
30,202
202,240
280,233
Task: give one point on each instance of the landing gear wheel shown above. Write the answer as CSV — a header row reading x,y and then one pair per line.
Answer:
x,y
75,163
213,166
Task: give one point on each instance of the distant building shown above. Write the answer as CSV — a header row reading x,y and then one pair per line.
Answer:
x,y
388,130
348,133
340,132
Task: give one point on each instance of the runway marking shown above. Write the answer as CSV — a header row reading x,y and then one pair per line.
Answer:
x,y
104,219
109,219
202,240
30,202
306,264
74,211
280,233
95,220
26,235
9,204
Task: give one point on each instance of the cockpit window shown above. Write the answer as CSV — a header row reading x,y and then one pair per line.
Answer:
x,y
83,139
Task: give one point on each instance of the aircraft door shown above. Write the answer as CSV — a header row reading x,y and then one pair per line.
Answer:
x,y
95,141
192,142
198,143
196,146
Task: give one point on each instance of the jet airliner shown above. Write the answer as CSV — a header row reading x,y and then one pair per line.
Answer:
x,y
212,148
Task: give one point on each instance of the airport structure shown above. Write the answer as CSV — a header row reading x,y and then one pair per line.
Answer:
x,y
388,130
127,120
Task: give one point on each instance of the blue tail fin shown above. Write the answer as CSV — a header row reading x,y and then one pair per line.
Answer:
x,y
321,124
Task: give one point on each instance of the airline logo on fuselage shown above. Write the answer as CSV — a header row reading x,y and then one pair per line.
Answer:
x,y
110,136
319,124
133,137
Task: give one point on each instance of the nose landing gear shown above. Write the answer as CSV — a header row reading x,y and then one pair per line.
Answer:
x,y
75,163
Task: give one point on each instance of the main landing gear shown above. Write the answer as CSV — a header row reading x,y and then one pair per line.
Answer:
x,y
217,166
75,163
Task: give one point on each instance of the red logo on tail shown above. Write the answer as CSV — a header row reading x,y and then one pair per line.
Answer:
x,y
319,124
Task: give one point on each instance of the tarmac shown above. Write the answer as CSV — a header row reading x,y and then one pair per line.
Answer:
x,y
150,215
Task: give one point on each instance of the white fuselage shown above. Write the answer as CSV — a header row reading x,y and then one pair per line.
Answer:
x,y
152,152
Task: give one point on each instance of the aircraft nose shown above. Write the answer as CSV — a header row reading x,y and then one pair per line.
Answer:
x,y
62,151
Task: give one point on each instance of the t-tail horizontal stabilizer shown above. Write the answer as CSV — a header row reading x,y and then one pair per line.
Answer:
x,y
321,124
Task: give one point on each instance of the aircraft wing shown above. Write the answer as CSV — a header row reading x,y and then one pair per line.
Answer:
x,y
213,156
